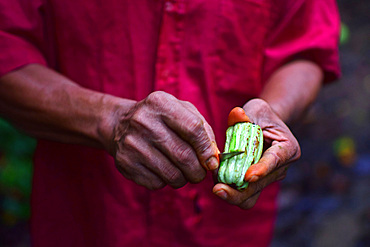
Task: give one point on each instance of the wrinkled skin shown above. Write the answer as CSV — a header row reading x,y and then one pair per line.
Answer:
x,y
178,143
164,141
283,148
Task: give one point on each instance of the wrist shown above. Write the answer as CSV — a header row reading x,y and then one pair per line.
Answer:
x,y
292,88
112,110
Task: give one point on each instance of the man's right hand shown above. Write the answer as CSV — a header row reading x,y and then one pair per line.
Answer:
x,y
162,140
157,141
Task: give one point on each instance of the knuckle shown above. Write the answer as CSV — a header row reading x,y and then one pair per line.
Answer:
x,y
124,165
205,149
176,180
130,143
155,184
156,98
195,125
161,137
168,173
173,176
139,117
120,159
203,145
198,176
153,97
178,186
184,155
190,106
188,162
187,103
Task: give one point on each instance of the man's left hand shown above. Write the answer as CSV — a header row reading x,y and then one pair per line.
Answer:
x,y
283,148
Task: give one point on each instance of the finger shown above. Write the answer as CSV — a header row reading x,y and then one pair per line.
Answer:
x,y
180,153
154,161
243,199
210,165
171,145
193,129
250,202
234,196
213,162
211,136
207,127
265,165
248,197
138,173
275,175
277,155
237,198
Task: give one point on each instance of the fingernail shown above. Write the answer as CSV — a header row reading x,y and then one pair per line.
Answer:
x,y
222,194
212,163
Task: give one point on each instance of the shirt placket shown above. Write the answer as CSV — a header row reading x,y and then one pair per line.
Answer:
x,y
169,47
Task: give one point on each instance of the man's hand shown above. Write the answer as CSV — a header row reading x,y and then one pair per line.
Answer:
x,y
162,140
157,141
286,95
282,148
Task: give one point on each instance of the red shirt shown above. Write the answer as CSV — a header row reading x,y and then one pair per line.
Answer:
x,y
216,54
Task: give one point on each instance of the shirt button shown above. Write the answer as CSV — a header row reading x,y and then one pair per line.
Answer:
x,y
168,6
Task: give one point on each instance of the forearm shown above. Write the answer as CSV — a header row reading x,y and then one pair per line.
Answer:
x,y
47,105
292,88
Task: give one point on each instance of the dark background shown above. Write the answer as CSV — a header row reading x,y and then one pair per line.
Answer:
x,y
325,199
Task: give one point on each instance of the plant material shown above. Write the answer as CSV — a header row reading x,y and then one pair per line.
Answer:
x,y
242,136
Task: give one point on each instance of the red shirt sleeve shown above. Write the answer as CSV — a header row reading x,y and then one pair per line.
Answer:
x,y
305,29
21,34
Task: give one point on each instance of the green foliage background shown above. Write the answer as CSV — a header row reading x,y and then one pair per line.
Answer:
x,y
16,152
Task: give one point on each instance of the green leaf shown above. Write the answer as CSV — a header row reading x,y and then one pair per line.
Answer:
x,y
344,33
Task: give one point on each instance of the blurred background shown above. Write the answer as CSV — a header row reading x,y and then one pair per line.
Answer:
x,y
325,199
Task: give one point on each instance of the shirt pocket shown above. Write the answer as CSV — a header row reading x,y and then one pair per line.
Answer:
x,y
241,29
